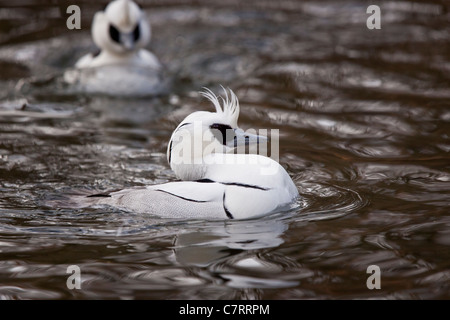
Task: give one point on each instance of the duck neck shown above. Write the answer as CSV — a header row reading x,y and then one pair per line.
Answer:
x,y
189,172
115,57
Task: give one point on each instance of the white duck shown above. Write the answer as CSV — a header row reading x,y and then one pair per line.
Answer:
x,y
217,183
121,32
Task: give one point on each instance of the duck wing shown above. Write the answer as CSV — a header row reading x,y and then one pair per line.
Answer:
x,y
184,199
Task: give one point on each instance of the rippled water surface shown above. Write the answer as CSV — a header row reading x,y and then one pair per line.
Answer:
x,y
364,120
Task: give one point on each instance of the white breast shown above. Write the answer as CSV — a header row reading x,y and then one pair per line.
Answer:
x,y
117,80
256,185
142,58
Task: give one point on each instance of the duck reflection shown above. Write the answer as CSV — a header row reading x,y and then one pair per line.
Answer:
x,y
230,253
216,241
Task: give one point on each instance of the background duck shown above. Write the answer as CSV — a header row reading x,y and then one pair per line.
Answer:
x,y
121,32
122,66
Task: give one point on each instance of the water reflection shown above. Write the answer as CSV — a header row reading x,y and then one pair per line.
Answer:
x,y
214,242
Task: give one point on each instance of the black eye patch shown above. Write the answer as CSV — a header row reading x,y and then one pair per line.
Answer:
x,y
136,33
221,131
114,33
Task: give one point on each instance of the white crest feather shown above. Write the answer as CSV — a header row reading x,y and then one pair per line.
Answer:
x,y
126,13
230,104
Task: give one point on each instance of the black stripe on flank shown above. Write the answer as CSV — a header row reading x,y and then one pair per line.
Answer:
x,y
99,195
228,213
244,185
233,184
187,199
205,181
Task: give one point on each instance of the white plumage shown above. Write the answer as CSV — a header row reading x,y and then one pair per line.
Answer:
x,y
121,32
217,183
122,67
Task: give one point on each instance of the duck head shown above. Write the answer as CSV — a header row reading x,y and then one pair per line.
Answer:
x,y
121,28
204,133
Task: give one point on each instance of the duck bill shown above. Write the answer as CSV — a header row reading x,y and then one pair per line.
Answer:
x,y
127,41
242,139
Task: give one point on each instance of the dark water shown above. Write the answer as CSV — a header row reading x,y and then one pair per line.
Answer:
x,y
364,120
